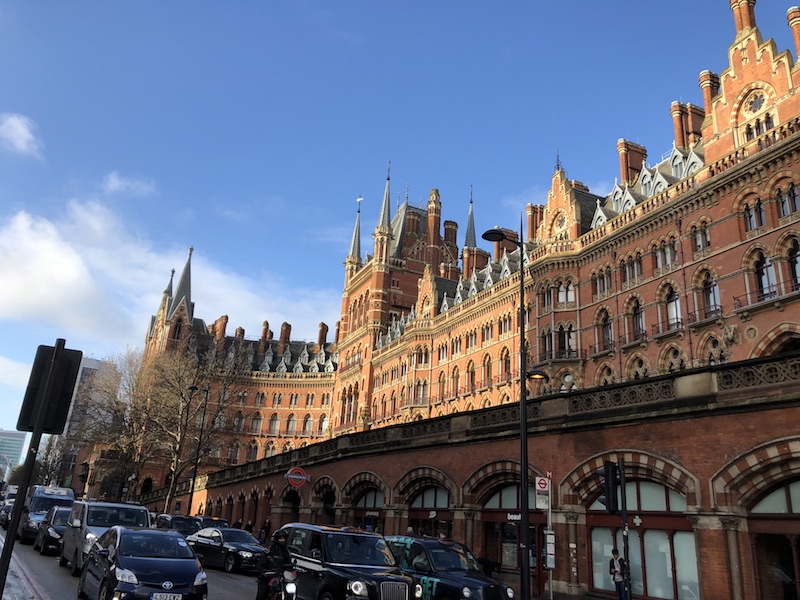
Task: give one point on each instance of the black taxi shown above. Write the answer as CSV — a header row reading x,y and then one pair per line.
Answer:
x,y
445,569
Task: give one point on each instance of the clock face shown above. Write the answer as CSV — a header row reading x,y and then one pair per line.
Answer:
x,y
755,102
561,222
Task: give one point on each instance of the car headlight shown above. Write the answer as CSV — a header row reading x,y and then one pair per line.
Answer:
x,y
510,593
291,588
245,554
359,588
53,533
466,592
201,578
418,591
125,576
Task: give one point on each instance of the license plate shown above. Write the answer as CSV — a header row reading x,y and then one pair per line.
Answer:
x,y
165,596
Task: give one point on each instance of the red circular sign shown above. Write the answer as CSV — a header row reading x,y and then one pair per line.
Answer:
x,y
542,483
296,476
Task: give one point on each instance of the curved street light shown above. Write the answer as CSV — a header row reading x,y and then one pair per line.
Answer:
x,y
498,235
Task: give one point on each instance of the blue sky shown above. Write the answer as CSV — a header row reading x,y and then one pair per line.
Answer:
x,y
130,131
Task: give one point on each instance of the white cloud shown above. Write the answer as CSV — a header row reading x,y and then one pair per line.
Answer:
x,y
17,134
14,373
114,183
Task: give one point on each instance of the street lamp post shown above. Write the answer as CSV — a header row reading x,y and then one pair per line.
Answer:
x,y
194,388
498,235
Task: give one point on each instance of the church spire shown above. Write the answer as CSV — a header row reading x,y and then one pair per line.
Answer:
x,y
385,217
184,291
355,243
469,240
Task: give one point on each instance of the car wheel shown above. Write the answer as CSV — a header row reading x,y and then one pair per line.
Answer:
x,y
36,545
76,568
103,595
327,596
81,592
230,563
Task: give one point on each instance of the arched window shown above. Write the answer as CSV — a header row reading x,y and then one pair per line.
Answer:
x,y
765,278
323,424
233,454
664,544
754,216
238,422
701,236
255,424
711,304
308,425
672,303
638,330
606,337
252,451
794,265
291,425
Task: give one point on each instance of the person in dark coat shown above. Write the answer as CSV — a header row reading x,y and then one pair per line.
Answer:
x,y
266,529
616,568
272,561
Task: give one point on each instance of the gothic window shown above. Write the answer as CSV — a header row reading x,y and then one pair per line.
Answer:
x,y
252,451
714,352
471,381
711,303
308,425
605,336
546,298
788,200
233,454
567,342
442,386
291,425
505,361
255,424
274,424
487,371
674,360
566,292
639,368
238,422
701,236
794,265
638,330
606,376
765,278
456,382
672,302
545,346
323,424
754,216
567,384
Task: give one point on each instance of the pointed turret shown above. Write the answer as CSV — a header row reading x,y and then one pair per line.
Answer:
x,y
353,261
383,231
469,240
184,292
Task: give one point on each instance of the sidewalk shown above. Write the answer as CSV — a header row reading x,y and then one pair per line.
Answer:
x,y
17,583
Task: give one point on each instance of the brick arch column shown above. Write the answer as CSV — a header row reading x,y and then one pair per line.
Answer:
x,y
584,481
485,480
774,339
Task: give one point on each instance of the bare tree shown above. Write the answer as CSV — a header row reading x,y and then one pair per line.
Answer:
x,y
117,418
190,398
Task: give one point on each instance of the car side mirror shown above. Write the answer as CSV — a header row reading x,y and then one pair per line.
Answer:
x,y
316,554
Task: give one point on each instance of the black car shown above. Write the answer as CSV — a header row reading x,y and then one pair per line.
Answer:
x,y
180,523
142,564
343,562
5,514
446,570
209,521
226,548
51,530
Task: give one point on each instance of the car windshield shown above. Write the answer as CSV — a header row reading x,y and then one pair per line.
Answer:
x,y
44,503
147,544
348,548
106,516
453,558
240,536
61,517
185,525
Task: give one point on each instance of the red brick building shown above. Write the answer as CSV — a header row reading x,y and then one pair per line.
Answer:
x,y
664,314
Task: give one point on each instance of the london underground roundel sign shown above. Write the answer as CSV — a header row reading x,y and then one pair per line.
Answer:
x,y
296,476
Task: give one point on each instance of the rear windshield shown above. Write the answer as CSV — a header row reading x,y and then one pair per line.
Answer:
x,y
61,517
366,550
146,544
185,524
106,516
45,503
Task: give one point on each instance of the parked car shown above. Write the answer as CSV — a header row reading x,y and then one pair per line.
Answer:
x,y
226,548
5,514
209,521
50,532
342,562
89,520
38,500
445,569
155,564
180,523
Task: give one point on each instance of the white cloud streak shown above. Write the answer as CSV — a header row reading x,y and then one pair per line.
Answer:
x,y
114,183
17,135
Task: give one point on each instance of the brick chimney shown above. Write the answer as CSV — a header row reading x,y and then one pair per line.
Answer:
x,y
265,336
693,125
709,83
744,17
220,325
474,260
793,18
450,231
535,215
286,332
631,159
508,245
240,333
322,338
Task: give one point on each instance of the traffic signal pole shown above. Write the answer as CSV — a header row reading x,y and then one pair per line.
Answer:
x,y
626,573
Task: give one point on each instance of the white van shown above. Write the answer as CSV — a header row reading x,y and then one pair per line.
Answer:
x,y
89,520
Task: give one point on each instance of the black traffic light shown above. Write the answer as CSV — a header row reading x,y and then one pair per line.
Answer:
x,y
610,484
